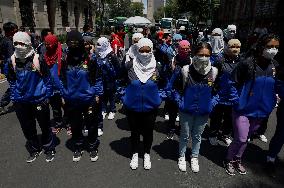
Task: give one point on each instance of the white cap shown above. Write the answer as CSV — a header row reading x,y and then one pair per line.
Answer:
x,y
145,42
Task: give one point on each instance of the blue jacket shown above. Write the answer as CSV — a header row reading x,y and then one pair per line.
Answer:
x,y
195,96
110,70
216,58
140,97
29,85
224,86
256,88
81,82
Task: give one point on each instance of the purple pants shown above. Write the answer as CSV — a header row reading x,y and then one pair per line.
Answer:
x,y
244,127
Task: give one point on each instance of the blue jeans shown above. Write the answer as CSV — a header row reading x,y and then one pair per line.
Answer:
x,y
191,126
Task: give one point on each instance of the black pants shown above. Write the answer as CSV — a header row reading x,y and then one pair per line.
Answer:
x,y
221,120
84,115
141,123
56,105
172,109
109,96
263,126
277,140
28,114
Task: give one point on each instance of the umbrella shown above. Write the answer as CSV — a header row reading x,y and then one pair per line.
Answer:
x,y
137,20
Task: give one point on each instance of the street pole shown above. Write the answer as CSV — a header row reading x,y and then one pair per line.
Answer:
x,y
164,8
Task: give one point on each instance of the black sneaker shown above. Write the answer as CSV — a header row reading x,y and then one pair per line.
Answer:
x,y
94,155
239,167
170,135
49,156
229,167
33,156
77,155
2,111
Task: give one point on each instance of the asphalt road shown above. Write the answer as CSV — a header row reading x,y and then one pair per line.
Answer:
x,y
112,169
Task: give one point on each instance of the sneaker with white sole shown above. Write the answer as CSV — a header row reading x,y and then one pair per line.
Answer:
x,y
194,164
213,141
94,155
147,161
182,164
49,156
177,118
134,161
111,116
262,138
33,156
104,115
167,117
77,155
227,140
100,132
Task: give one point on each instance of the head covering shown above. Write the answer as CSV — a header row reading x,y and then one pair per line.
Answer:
x,y
232,28
144,64
139,30
230,32
182,28
160,34
76,48
104,47
23,51
217,42
137,36
183,44
54,52
177,37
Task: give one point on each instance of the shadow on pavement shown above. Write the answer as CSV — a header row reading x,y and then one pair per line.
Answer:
x,y
168,149
216,154
122,147
122,124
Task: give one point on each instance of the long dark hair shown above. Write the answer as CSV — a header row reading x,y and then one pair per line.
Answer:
x,y
262,41
201,46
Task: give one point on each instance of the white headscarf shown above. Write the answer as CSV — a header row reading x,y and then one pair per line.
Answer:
x,y
104,49
217,42
133,48
21,51
144,64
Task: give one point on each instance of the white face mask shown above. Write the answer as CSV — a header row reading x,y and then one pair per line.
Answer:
x,y
201,64
269,53
21,51
144,58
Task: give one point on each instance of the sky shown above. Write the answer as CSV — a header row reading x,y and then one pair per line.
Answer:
x,y
145,6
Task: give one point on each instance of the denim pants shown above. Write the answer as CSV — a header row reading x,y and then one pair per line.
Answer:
x,y
244,127
191,126
277,140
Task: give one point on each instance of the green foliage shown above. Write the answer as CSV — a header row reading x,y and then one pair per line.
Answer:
x,y
137,9
62,38
119,8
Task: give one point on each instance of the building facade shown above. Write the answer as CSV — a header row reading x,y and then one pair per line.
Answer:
x,y
251,14
54,14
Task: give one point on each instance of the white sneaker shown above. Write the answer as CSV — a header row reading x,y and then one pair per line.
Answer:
x,y
134,161
100,132
263,138
147,161
182,164
213,141
194,164
228,141
104,115
177,118
167,117
111,116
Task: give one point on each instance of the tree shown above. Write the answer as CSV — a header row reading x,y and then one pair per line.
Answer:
x,y
137,8
119,8
159,13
